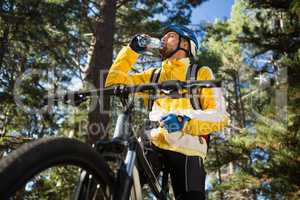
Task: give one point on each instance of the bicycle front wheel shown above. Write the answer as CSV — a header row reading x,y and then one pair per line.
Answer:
x,y
50,168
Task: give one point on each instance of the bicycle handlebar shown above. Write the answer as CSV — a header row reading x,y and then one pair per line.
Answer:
x,y
78,97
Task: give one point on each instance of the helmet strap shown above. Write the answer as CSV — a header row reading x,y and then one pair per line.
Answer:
x,y
178,49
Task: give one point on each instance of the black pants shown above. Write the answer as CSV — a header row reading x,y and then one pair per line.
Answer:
x,y
187,172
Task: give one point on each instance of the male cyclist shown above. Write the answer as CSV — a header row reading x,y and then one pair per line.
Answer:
x,y
181,139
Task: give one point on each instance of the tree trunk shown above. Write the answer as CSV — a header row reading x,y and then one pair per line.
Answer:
x,y
219,174
238,106
100,63
241,103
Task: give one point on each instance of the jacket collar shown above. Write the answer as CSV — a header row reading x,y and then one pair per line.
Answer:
x,y
177,62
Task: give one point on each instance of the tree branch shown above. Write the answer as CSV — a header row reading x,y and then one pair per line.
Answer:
x,y
121,3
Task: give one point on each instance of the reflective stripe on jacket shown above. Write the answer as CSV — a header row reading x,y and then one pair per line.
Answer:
x,y
212,118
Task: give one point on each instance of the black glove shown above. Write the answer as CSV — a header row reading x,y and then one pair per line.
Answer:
x,y
134,44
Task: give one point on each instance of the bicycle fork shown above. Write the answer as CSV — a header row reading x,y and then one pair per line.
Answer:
x,y
125,175
124,180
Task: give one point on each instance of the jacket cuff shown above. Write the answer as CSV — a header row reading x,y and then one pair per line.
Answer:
x,y
131,54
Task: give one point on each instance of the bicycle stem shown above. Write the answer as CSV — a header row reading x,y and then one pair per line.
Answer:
x,y
122,129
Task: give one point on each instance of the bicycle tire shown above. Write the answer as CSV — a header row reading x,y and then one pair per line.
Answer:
x,y
34,157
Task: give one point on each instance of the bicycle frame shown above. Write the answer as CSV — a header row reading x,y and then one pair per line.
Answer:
x,y
124,138
135,152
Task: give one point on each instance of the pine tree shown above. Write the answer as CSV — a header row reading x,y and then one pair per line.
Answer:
x,y
264,153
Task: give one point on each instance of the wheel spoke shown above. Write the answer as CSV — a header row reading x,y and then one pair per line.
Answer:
x,y
58,183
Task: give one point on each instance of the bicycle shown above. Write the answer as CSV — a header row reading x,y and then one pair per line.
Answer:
x,y
97,179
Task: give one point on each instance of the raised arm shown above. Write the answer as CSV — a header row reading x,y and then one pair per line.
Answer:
x,y
119,71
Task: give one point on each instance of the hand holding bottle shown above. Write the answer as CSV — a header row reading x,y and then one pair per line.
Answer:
x,y
135,44
144,44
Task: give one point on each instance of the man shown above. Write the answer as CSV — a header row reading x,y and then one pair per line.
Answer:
x,y
181,137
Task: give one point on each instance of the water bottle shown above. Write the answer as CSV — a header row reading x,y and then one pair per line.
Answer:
x,y
153,45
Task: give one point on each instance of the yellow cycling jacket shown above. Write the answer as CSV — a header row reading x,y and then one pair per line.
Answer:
x,y
212,118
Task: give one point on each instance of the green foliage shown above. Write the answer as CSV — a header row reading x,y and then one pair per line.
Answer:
x,y
33,37
55,183
263,155
295,8
207,57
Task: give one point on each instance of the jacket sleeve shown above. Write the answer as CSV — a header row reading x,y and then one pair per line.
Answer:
x,y
119,71
213,117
